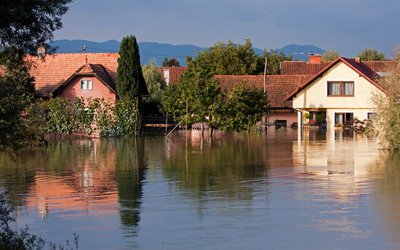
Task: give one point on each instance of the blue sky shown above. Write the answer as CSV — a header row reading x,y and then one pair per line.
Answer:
x,y
346,26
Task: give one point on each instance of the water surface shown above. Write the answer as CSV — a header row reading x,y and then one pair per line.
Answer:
x,y
237,191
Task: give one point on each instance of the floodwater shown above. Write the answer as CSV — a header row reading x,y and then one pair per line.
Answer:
x,y
238,191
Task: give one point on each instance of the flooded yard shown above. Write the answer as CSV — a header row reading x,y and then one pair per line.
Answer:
x,y
238,191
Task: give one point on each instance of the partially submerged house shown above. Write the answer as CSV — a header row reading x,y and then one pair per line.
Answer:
x,y
339,92
71,75
277,88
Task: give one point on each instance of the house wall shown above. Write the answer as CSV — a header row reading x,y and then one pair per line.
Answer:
x,y
99,90
290,117
314,96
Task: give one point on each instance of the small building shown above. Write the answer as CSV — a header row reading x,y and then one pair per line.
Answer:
x,y
277,88
337,94
71,75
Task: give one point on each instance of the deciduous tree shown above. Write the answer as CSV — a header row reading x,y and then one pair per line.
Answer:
x,y
330,55
371,54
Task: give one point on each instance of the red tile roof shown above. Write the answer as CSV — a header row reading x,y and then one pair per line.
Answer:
x,y
52,71
358,67
278,86
300,67
175,73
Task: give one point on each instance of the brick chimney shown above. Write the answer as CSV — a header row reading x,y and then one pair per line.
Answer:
x,y
357,59
314,59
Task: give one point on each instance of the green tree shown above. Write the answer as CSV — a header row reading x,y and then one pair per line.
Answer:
x,y
130,80
274,59
154,81
25,25
170,62
225,59
243,108
387,121
371,54
330,55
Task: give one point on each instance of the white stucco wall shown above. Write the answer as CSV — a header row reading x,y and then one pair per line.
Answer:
x,y
315,96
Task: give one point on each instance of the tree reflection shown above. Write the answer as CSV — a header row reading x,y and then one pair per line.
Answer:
x,y
223,168
130,173
386,193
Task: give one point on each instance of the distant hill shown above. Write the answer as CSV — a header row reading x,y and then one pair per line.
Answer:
x,y
148,50
158,51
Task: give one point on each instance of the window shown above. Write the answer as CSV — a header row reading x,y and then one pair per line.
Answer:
x,y
86,84
340,88
371,116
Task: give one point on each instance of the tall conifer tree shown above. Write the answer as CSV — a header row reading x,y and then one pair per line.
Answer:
x,y
130,80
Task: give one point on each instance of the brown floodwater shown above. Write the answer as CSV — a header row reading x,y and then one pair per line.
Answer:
x,y
329,190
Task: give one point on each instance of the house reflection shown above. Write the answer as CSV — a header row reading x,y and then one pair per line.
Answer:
x,y
90,175
340,160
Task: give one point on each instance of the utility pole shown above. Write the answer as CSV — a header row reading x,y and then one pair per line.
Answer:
x,y
264,118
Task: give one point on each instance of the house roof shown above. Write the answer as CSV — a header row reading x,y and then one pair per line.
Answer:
x,y
94,70
175,73
300,67
53,71
278,86
361,68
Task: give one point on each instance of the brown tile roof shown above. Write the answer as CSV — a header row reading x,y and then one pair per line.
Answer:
x,y
175,73
300,67
278,86
52,71
359,67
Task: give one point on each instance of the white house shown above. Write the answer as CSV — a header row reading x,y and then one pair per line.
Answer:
x,y
340,92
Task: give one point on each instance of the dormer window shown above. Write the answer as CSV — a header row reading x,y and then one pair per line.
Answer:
x,y
86,84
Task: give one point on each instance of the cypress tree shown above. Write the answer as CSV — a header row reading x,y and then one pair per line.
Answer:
x,y
130,80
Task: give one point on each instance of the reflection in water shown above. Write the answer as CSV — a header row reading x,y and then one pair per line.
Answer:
x,y
262,190
386,194
130,173
215,167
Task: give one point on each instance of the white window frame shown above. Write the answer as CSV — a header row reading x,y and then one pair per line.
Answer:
x,y
86,84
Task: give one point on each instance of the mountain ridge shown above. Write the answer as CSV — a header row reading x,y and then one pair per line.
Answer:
x,y
158,51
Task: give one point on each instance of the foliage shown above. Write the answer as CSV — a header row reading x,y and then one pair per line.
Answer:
x,y
243,108
193,100
170,62
387,121
128,120
24,26
274,59
130,80
371,54
224,59
16,92
61,117
154,81
330,55
22,239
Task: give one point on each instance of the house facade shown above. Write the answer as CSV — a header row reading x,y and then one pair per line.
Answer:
x,y
72,75
339,93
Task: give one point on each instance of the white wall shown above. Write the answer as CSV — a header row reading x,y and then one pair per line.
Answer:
x,y
315,96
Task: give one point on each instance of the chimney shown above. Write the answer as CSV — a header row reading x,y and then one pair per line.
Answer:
x,y
41,51
357,59
314,59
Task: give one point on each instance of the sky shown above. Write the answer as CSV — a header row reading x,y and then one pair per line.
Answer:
x,y
346,26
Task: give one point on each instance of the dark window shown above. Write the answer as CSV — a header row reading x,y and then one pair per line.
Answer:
x,y
340,88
